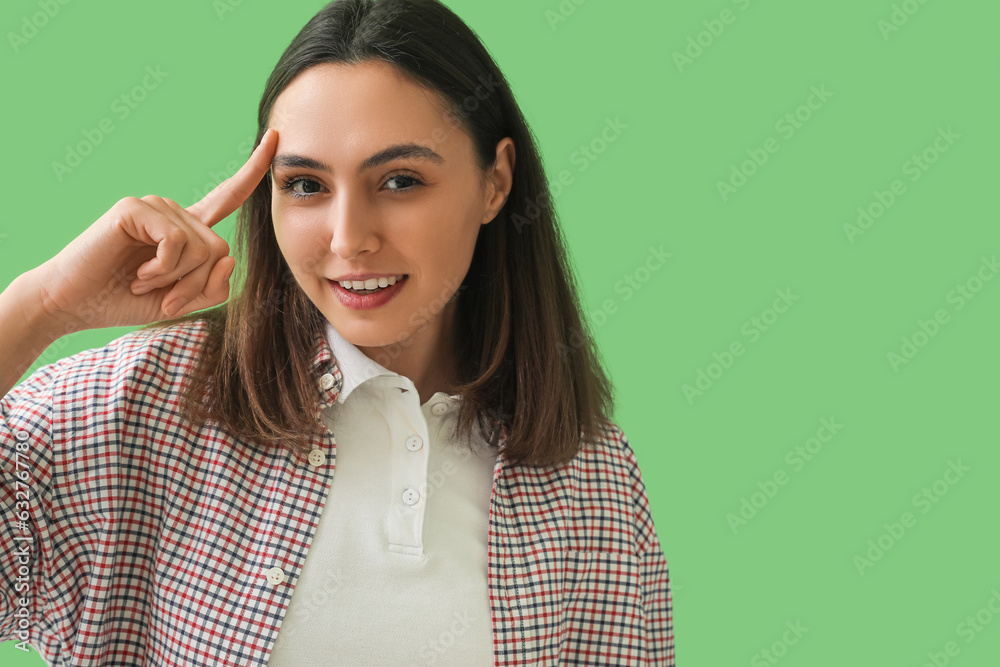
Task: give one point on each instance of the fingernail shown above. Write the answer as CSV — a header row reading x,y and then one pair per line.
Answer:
x,y
142,289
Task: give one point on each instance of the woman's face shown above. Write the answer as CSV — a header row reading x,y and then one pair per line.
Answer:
x,y
416,214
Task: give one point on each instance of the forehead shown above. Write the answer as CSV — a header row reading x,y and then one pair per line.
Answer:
x,y
336,107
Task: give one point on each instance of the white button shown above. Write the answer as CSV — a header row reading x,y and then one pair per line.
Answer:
x,y
414,442
410,497
439,408
275,575
326,381
317,458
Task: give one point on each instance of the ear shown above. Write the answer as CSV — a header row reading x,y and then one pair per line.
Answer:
x,y
500,179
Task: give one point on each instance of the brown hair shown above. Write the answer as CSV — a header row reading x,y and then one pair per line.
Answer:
x,y
527,360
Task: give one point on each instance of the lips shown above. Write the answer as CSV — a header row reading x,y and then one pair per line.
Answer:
x,y
367,300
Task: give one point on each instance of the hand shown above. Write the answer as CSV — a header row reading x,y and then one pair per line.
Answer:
x,y
149,259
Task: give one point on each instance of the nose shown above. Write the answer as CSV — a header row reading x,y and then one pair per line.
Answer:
x,y
352,224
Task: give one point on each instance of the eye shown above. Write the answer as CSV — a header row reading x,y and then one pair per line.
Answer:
x,y
413,183
290,183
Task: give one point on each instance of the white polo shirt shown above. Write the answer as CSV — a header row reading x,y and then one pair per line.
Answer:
x,y
396,573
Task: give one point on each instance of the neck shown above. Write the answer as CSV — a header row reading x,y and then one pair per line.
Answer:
x,y
427,357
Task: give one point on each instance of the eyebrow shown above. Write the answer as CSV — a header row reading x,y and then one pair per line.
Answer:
x,y
396,152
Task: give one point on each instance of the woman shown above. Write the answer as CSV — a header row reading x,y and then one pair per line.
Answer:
x,y
407,316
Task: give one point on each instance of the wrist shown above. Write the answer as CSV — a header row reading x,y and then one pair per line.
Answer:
x,y
37,309
27,330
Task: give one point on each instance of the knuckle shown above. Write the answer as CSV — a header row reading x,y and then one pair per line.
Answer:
x,y
176,235
174,206
220,246
122,210
126,204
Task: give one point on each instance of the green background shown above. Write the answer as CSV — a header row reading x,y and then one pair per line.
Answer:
x,y
794,561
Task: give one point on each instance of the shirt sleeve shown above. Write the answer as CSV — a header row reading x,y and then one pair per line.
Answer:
x,y
657,599
25,504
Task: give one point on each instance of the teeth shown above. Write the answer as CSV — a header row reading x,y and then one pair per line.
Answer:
x,y
371,283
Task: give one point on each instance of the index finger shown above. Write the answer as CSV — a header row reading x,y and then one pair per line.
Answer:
x,y
232,192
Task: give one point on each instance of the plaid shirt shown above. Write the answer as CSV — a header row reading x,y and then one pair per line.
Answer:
x,y
132,537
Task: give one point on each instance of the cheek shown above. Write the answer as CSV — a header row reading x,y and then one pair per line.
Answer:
x,y
444,235
292,244
282,238
277,218
293,230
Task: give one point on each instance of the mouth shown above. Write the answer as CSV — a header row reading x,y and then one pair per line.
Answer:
x,y
363,298
372,286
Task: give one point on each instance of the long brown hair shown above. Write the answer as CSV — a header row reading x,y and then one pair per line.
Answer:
x,y
527,361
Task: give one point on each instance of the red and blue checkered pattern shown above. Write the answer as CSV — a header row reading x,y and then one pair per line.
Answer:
x,y
132,537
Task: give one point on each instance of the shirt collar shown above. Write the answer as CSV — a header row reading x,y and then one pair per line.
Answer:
x,y
326,362
349,367
355,366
